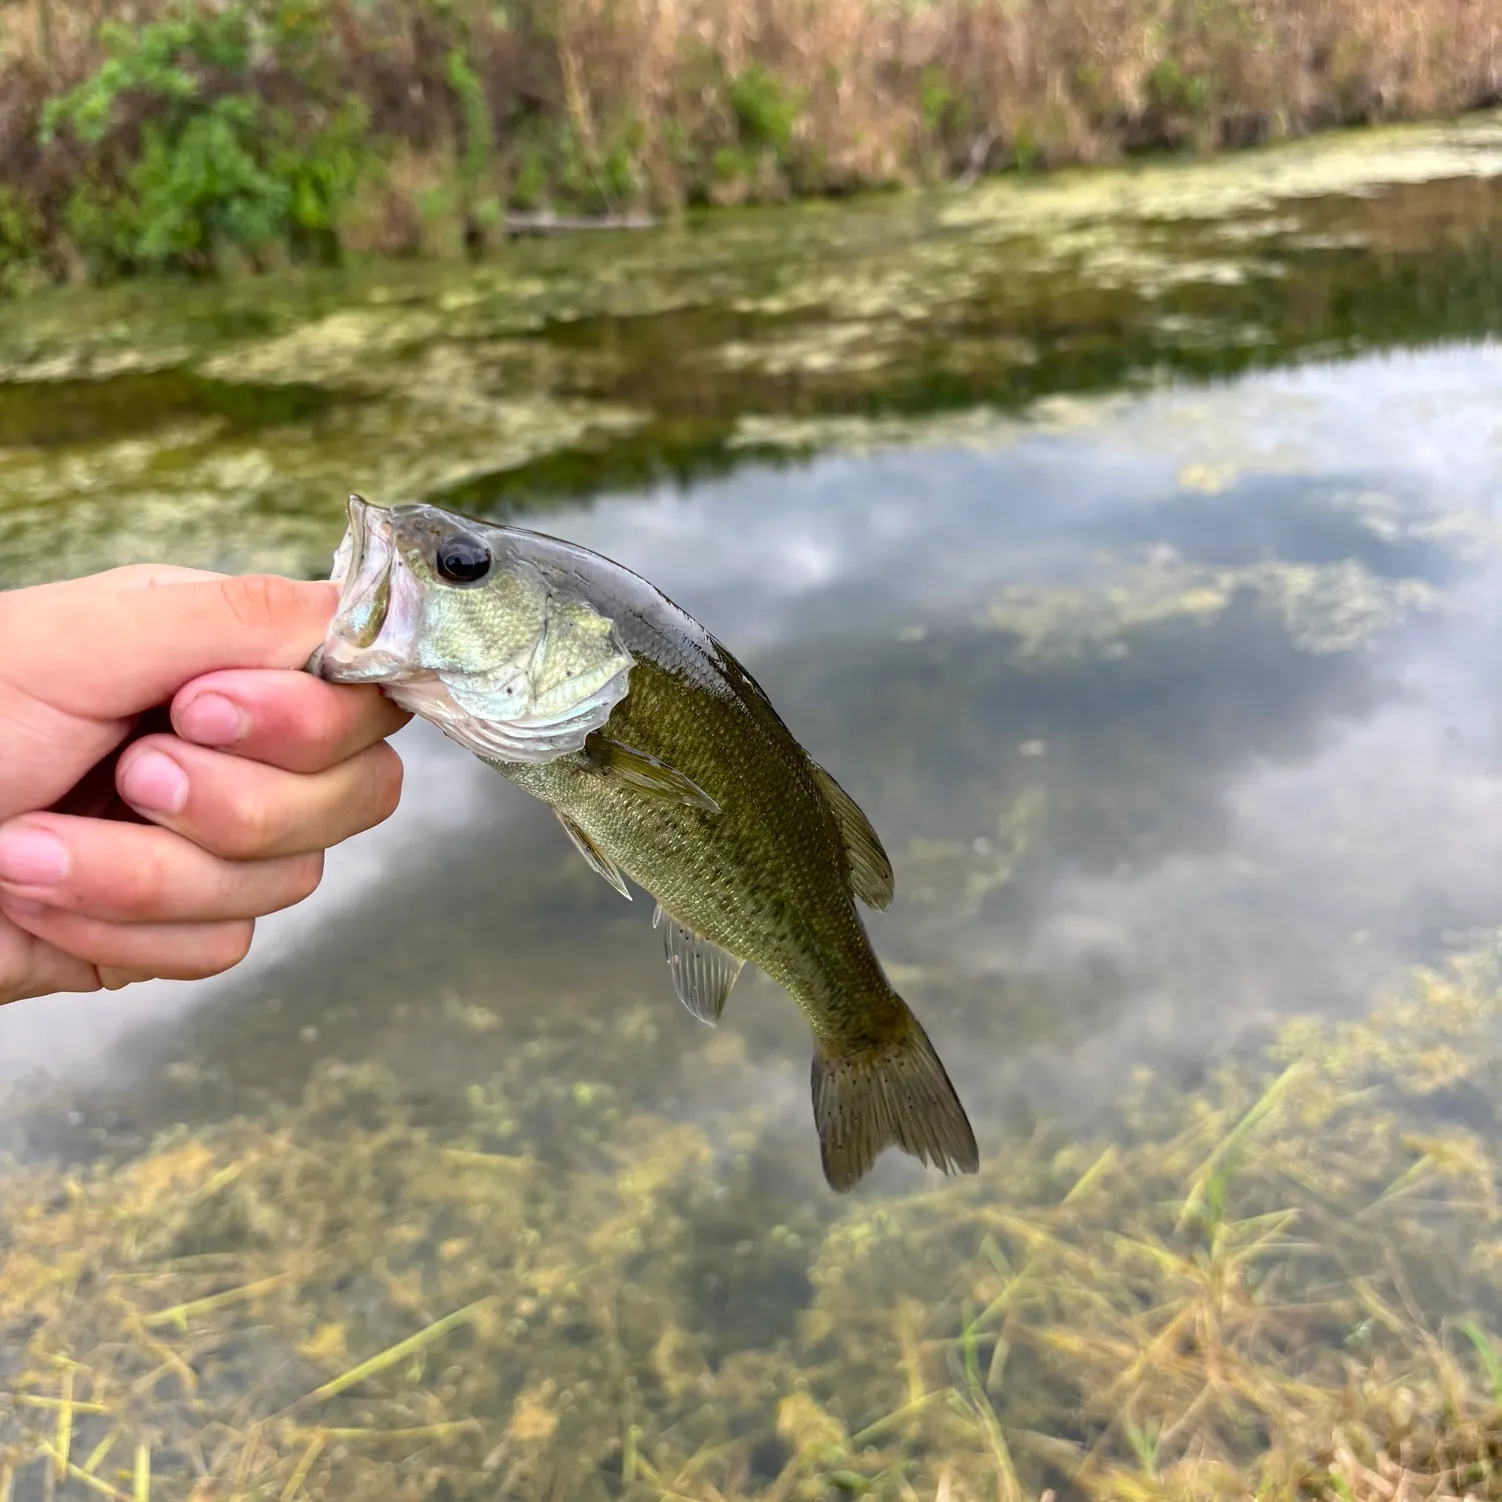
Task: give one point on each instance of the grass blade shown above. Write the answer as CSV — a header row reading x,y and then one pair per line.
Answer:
x,y
1487,1351
71,1472
310,1455
180,1314
392,1354
100,1451
64,1443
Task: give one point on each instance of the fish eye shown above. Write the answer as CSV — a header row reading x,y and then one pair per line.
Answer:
x,y
462,560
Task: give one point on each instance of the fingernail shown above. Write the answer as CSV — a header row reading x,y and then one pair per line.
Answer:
x,y
32,858
212,720
154,782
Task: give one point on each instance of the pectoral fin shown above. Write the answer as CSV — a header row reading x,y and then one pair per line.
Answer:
x,y
597,858
702,972
870,870
646,773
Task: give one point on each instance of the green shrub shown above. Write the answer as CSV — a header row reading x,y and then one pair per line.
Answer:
x,y
186,157
765,113
482,206
22,234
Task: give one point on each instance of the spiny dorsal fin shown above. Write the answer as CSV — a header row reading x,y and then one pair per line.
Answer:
x,y
702,972
870,870
596,857
645,772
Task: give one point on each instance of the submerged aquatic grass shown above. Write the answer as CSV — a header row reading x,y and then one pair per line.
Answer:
x,y
1286,1284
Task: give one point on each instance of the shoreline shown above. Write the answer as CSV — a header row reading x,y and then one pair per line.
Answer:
x,y
1140,190
245,135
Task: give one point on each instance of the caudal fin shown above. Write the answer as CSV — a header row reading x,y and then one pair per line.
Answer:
x,y
892,1094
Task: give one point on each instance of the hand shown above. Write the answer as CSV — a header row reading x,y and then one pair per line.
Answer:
x,y
128,852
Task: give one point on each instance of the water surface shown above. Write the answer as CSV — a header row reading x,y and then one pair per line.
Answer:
x,y
1127,548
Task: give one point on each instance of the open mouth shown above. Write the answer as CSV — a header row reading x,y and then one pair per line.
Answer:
x,y
363,565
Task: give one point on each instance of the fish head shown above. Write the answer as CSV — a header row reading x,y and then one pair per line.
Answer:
x,y
454,621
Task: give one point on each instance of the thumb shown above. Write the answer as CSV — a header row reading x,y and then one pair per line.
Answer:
x,y
100,649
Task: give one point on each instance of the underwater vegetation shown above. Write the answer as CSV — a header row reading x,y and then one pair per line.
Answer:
x,y
1284,1283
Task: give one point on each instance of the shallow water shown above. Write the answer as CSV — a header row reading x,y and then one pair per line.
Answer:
x,y
1127,546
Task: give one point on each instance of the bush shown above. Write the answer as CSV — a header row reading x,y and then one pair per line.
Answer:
x,y
21,237
185,157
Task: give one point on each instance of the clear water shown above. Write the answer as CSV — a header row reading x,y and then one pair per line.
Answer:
x,y
1130,556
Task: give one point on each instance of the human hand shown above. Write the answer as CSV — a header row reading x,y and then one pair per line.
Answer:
x,y
128,853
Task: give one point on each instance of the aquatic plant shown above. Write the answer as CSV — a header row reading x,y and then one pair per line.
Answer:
x,y
224,421
1285,1285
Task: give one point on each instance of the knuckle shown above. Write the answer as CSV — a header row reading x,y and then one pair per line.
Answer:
x,y
117,977
14,976
250,827
235,943
325,722
138,886
261,601
223,947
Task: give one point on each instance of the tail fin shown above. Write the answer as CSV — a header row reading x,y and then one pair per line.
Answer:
x,y
891,1094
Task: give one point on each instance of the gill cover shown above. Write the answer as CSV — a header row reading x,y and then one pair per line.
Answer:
x,y
507,665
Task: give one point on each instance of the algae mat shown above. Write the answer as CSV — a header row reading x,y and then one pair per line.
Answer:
x,y
223,425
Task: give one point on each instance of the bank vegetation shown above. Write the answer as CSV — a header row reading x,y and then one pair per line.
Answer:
x,y
140,135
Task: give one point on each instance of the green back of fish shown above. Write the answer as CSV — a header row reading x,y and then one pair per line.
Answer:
x,y
697,790
767,877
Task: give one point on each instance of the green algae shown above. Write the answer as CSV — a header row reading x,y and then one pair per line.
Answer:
x,y
1336,607
612,362
1347,162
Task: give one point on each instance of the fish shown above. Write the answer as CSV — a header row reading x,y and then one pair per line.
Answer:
x,y
665,763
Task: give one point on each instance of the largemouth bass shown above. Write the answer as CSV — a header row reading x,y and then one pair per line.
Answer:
x,y
665,762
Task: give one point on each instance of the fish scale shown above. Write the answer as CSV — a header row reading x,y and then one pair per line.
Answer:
x,y
669,764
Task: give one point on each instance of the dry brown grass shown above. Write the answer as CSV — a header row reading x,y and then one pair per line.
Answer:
x,y
890,91
623,104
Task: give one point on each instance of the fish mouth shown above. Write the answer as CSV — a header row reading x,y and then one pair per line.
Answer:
x,y
363,566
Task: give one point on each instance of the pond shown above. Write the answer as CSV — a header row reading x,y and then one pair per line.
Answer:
x,y
1126,543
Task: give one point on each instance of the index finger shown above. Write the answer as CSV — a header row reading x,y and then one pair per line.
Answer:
x,y
105,651
149,575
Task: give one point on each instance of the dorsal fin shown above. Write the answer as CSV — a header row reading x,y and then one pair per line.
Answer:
x,y
870,870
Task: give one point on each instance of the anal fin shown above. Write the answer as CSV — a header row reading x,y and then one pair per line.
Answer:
x,y
702,972
870,869
597,859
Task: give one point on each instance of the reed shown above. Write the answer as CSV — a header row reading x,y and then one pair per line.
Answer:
x,y
611,107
